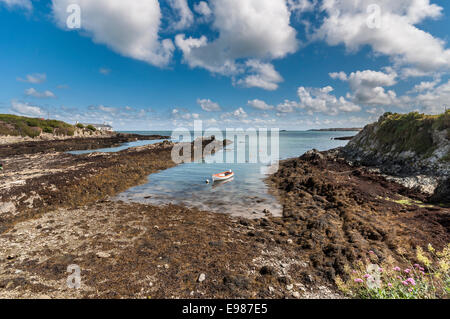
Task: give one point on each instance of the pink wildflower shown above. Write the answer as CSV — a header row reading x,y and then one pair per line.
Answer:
x,y
416,265
411,281
366,276
407,270
389,285
410,289
380,269
423,273
421,268
397,268
405,283
371,252
359,280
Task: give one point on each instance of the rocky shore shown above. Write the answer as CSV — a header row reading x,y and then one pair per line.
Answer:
x,y
56,210
412,149
80,143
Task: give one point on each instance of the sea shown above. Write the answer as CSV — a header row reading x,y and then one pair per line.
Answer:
x,y
247,194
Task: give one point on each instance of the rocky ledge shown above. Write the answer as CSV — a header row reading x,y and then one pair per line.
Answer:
x,y
414,149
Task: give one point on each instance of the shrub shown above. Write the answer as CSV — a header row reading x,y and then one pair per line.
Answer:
x,y
428,280
26,126
79,125
90,127
48,129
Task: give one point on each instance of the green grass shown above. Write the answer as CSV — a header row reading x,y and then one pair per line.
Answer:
x,y
32,127
411,132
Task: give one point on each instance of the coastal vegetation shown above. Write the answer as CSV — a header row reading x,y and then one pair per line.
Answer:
x,y
429,278
411,132
91,128
14,125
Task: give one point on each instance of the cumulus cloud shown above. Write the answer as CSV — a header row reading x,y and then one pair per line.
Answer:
x,y
180,114
203,9
243,34
261,75
398,36
26,109
300,6
368,86
435,100
238,114
425,86
260,105
320,100
208,105
128,27
35,78
184,14
45,94
287,106
24,4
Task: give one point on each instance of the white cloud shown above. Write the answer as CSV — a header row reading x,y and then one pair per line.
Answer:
x,y
184,13
26,109
107,109
287,106
260,105
128,27
368,86
104,71
398,37
244,33
35,78
203,8
261,75
208,105
434,100
425,86
301,5
320,100
238,114
45,94
25,4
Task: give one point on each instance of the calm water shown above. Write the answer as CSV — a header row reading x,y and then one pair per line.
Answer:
x,y
246,195
122,147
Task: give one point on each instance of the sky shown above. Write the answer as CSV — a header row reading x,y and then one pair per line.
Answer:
x,y
160,65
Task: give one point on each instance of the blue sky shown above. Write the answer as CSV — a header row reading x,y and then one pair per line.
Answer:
x,y
291,64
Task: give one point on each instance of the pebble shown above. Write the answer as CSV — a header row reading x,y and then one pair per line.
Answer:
x,y
201,278
289,241
103,255
289,287
271,289
296,294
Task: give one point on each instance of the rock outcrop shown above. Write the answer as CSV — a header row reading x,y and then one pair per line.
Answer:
x,y
406,145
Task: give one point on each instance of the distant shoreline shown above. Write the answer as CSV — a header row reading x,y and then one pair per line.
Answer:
x,y
353,129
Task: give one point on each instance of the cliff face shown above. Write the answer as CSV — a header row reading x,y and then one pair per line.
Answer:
x,y
404,144
415,147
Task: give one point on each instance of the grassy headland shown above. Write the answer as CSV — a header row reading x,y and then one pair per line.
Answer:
x,y
15,125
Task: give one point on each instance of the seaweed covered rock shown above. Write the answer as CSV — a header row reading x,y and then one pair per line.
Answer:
x,y
442,193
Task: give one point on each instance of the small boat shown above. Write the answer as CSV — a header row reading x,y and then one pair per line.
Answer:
x,y
223,176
